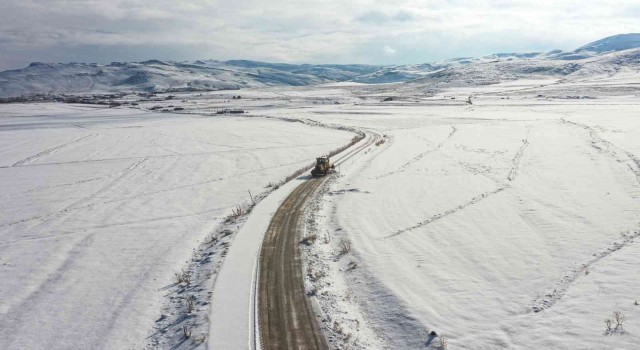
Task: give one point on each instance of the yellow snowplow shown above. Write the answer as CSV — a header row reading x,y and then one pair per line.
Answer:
x,y
323,165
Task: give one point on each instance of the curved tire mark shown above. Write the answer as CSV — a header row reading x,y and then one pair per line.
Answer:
x,y
513,173
553,296
50,151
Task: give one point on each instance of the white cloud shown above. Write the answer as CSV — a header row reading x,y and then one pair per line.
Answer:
x,y
389,51
378,17
300,31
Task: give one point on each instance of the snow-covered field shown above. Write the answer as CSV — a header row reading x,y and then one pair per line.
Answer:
x,y
506,224
100,207
509,223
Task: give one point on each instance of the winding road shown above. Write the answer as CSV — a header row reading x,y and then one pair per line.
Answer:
x,y
285,315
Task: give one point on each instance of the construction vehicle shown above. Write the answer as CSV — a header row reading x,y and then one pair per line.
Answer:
x,y
323,165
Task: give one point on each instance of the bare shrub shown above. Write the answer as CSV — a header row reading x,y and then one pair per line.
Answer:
x,y
352,265
211,240
619,318
319,274
315,275
235,214
275,186
442,343
340,332
349,296
344,246
191,304
186,331
201,339
184,277
309,240
607,323
326,239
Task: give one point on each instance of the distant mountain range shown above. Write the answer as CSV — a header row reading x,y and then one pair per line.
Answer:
x,y
605,56
613,43
509,66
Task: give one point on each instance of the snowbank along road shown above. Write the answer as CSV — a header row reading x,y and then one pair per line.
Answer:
x,y
286,317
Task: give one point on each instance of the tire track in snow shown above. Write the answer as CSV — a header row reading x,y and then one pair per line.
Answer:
x,y
202,141
406,165
108,148
155,143
50,151
513,173
74,206
28,303
67,184
421,155
371,138
172,155
515,163
605,146
114,224
124,173
446,213
556,294
81,202
202,183
117,173
551,297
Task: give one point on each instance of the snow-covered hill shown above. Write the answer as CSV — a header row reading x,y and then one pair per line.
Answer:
x,y
605,56
540,68
394,74
155,75
543,66
509,66
613,43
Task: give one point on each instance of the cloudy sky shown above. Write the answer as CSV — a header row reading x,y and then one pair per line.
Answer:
x,y
320,31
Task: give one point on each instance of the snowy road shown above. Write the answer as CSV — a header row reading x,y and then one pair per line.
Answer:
x,y
286,316
285,313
